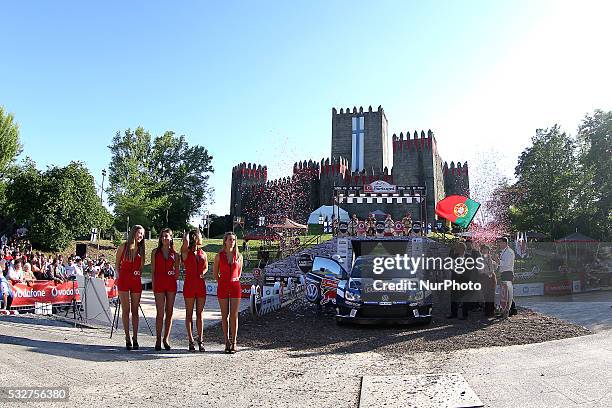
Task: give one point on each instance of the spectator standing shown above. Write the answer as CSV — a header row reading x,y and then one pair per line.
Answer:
x,y
6,292
459,276
488,281
506,269
71,269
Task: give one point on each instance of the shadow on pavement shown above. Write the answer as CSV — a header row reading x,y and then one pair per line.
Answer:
x,y
89,352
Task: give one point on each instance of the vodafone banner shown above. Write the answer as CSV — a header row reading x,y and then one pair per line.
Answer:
x,y
44,292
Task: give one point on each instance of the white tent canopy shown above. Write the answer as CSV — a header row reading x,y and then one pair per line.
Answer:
x,y
328,211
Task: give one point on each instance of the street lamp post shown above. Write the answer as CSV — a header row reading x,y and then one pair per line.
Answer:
x,y
206,223
101,203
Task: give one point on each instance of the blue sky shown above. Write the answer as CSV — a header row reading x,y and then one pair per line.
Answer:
x,y
256,81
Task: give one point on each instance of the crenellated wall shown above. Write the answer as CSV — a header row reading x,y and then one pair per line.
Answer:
x,y
416,162
410,159
456,179
245,175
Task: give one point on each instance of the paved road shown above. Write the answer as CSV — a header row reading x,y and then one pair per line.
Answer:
x,y
592,309
212,315
565,373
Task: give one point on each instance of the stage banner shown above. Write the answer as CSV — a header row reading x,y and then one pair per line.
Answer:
x,y
44,292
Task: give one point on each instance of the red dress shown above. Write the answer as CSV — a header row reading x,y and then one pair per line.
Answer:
x,y
165,275
229,280
195,286
129,274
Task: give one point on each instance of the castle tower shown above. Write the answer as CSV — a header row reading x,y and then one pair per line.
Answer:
x,y
456,179
244,176
361,138
416,162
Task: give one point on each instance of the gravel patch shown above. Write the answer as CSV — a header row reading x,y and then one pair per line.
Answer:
x,y
301,327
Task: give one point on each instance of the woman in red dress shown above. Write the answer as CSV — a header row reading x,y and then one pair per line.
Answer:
x,y
194,290
129,263
227,270
165,265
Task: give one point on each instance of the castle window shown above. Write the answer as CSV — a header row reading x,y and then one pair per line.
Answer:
x,y
357,163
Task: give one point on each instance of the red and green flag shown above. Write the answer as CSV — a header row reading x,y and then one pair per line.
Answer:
x,y
457,209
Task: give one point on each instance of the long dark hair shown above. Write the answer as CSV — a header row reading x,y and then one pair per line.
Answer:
x,y
192,238
160,244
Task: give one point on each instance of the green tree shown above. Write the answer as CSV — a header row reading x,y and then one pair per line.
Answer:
x,y
154,179
9,149
132,190
9,139
547,175
595,192
58,205
182,172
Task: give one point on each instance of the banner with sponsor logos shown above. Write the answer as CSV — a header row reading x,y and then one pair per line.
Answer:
x,y
558,288
211,289
44,292
528,289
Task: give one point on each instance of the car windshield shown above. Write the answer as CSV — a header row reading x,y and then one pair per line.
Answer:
x,y
365,267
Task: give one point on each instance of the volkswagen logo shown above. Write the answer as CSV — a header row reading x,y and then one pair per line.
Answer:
x,y
385,298
312,292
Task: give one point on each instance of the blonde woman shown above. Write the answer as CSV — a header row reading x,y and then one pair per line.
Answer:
x,y
194,289
129,261
227,270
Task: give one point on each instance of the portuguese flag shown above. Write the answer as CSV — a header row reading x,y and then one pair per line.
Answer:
x,y
458,209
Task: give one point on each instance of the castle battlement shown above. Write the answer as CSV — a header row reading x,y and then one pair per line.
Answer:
x,y
361,153
306,167
250,171
414,142
459,170
356,110
335,166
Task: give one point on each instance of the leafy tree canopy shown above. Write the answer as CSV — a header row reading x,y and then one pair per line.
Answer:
x,y
57,205
157,182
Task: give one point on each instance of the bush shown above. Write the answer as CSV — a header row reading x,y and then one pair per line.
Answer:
x,y
116,236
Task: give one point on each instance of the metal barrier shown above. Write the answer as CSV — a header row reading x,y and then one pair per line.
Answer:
x,y
267,299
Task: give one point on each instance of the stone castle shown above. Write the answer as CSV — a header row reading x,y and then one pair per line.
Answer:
x,y
361,152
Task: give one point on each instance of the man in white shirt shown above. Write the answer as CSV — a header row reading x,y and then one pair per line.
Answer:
x,y
506,268
72,269
15,273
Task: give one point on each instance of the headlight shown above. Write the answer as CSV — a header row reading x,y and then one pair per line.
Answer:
x,y
415,295
353,297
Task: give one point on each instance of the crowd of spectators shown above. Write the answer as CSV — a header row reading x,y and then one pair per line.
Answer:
x,y
19,263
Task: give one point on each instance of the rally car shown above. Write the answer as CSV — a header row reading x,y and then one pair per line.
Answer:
x,y
362,296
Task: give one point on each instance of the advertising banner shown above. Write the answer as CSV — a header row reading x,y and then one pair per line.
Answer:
x,y
44,292
528,289
558,288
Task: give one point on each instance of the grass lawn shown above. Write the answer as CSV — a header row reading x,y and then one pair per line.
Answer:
x,y
211,247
